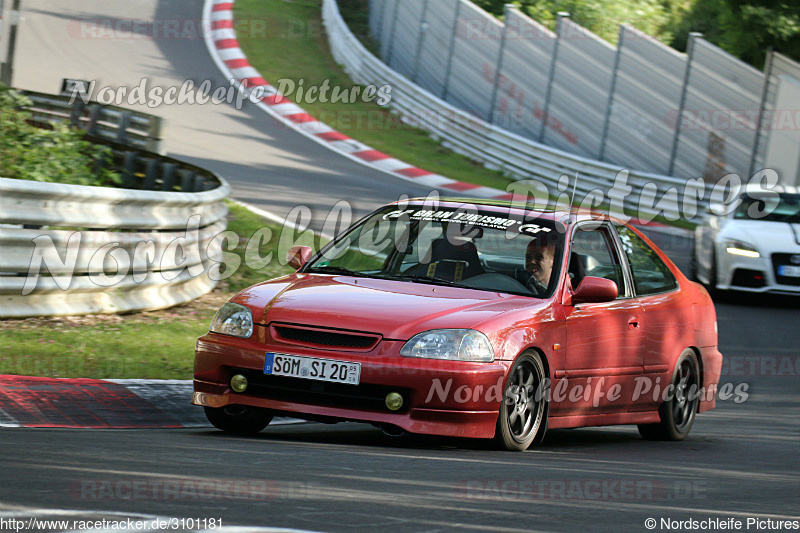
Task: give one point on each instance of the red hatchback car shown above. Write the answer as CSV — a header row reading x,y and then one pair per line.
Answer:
x,y
472,319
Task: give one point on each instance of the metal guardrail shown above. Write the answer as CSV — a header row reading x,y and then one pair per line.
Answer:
x,y
495,147
72,249
109,123
61,257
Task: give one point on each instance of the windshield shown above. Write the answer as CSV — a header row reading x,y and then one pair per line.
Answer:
x,y
773,207
462,247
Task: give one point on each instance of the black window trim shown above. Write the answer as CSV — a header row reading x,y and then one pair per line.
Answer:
x,y
630,271
616,248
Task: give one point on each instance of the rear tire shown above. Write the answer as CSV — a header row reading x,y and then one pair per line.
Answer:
x,y
523,409
238,419
678,412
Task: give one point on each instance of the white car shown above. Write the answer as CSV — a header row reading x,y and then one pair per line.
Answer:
x,y
755,247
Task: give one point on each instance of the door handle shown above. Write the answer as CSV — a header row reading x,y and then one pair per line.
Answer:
x,y
633,323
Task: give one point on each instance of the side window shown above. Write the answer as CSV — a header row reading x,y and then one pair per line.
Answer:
x,y
650,274
593,254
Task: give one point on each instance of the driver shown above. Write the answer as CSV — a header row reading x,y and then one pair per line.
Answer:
x,y
539,258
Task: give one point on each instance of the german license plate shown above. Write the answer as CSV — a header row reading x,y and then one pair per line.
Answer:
x,y
789,271
296,366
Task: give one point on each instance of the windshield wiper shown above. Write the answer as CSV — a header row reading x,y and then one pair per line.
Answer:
x,y
335,270
429,279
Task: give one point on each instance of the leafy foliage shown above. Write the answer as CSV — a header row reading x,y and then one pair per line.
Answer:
x,y
601,17
744,28
57,154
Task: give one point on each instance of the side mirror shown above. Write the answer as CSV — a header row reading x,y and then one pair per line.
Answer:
x,y
595,290
297,256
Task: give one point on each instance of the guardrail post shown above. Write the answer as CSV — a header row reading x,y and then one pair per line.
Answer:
x,y
187,180
423,28
199,183
150,174
76,113
559,31
168,177
693,36
451,51
129,169
122,126
761,108
611,91
499,68
94,116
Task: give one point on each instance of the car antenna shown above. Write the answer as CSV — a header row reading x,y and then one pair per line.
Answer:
x,y
572,200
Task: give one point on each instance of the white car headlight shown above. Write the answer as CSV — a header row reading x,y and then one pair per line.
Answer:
x,y
456,344
233,319
735,247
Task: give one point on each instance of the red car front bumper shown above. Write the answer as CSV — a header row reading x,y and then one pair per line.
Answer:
x,y
451,398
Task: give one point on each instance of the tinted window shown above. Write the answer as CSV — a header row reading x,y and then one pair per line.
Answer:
x,y
650,274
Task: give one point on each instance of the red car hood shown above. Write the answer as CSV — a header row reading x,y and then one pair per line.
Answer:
x,y
394,309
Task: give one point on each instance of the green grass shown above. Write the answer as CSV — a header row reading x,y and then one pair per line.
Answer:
x,y
152,344
295,47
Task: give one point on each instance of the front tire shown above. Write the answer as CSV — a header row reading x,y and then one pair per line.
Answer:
x,y
678,412
238,419
523,410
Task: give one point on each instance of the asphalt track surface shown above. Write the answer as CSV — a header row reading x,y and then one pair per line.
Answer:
x,y
739,462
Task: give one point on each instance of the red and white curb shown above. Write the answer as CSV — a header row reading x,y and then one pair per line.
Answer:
x,y
223,46
99,403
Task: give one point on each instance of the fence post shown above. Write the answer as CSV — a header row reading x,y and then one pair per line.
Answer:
x,y
499,68
390,49
377,33
761,109
451,51
423,28
9,42
559,30
693,36
612,89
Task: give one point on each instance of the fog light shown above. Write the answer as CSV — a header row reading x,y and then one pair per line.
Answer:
x,y
239,383
394,401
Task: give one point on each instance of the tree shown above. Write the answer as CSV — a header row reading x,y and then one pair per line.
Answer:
x,y
601,17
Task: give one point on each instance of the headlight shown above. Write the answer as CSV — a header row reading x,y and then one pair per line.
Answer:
x,y
741,248
457,344
233,319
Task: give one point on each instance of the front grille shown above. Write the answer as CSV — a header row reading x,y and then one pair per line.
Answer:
x,y
779,260
324,338
365,396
